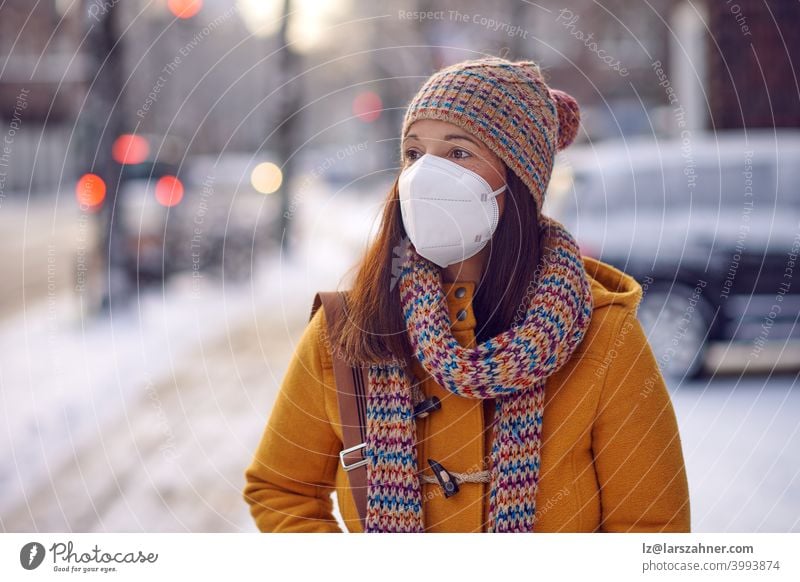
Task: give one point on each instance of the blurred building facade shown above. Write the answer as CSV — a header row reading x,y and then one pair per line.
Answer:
x,y
212,82
752,63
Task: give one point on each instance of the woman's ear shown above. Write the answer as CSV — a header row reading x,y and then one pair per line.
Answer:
x,y
569,117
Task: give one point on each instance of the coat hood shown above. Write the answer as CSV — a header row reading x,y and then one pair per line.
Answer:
x,y
611,286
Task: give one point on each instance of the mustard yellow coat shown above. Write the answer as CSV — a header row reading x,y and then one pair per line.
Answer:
x,y
611,457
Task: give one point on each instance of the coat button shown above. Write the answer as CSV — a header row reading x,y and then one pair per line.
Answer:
x,y
462,315
446,481
460,292
425,407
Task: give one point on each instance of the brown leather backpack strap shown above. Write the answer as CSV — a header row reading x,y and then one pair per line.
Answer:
x,y
351,390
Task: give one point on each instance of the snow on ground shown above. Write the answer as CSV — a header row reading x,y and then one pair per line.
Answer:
x,y
68,381
740,440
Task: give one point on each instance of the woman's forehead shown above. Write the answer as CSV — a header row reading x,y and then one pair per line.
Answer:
x,y
437,129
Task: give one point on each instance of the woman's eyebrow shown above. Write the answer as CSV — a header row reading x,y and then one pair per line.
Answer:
x,y
449,137
452,136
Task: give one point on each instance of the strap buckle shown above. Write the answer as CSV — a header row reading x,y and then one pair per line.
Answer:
x,y
344,452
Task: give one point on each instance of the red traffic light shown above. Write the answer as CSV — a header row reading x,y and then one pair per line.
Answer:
x,y
130,149
90,191
169,191
185,8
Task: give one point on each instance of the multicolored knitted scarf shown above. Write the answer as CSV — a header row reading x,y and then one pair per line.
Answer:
x,y
510,367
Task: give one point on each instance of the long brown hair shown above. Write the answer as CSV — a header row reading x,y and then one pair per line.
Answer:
x,y
374,329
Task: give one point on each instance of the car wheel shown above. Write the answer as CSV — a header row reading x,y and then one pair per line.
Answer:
x,y
676,329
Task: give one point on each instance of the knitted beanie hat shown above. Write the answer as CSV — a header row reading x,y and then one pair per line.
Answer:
x,y
508,106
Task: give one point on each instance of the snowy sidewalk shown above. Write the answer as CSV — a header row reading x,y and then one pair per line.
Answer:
x,y
146,421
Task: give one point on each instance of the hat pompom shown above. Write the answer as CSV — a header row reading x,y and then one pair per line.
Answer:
x,y
569,117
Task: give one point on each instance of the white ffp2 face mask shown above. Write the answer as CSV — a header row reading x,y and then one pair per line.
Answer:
x,y
449,212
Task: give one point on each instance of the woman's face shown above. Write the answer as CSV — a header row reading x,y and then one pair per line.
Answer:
x,y
443,139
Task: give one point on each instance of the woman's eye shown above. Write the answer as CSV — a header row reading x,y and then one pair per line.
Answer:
x,y
410,155
457,153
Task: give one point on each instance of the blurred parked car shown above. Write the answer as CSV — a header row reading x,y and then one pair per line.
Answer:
x,y
227,225
135,254
176,214
708,225
145,204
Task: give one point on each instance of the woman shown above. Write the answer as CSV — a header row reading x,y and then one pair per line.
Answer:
x,y
553,414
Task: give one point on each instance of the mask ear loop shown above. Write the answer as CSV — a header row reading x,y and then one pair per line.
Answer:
x,y
494,193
